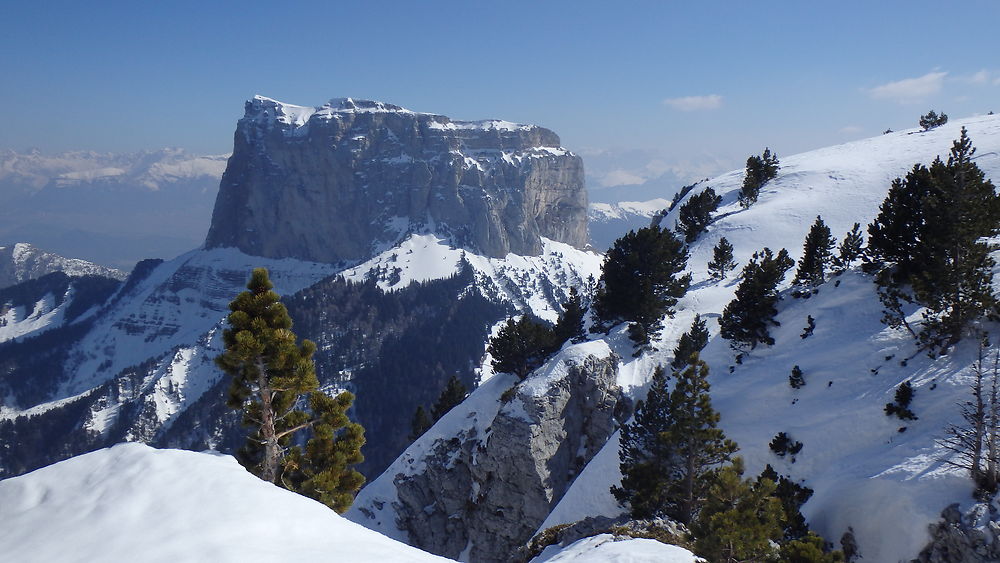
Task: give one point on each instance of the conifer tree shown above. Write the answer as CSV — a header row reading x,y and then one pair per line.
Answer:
x,y
816,255
420,423
741,521
640,283
270,375
931,119
669,454
521,346
926,245
722,260
759,170
850,248
453,394
570,323
745,320
796,380
691,342
696,213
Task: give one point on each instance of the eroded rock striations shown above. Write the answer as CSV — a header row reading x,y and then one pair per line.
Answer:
x,y
485,496
333,183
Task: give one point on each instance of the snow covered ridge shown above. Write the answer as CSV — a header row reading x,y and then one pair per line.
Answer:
x,y
261,107
21,261
135,503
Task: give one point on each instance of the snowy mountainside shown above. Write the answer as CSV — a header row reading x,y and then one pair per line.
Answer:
x,y
111,208
51,301
868,473
21,262
134,503
145,362
609,221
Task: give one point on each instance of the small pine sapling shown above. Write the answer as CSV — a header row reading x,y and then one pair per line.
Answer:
x,y
931,119
901,406
795,379
850,249
810,327
722,260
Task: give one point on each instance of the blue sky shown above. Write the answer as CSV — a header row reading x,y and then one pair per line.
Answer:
x,y
636,87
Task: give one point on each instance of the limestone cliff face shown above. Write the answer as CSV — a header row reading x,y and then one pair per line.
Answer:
x,y
482,497
336,182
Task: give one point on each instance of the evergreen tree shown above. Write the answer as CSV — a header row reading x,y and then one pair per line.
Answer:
x,y
926,245
420,423
759,170
453,394
816,255
570,323
640,282
792,496
691,342
795,379
672,449
270,375
931,119
808,549
850,248
722,259
741,521
696,213
521,346
975,443
745,320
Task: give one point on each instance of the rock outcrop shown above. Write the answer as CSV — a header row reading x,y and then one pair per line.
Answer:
x,y
954,540
334,183
483,497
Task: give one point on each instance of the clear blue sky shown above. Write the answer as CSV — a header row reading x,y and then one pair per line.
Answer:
x,y
124,76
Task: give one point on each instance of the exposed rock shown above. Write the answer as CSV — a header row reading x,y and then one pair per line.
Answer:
x,y
953,540
484,496
331,184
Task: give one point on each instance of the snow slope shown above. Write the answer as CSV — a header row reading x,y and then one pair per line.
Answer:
x,y
882,476
604,548
134,503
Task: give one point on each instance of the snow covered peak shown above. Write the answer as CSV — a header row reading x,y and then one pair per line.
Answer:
x,y
21,261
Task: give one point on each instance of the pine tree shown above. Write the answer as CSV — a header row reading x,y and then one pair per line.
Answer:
x,y
741,521
816,255
420,423
691,342
792,496
926,246
521,346
975,443
808,549
570,323
270,375
759,170
795,379
640,282
672,449
850,248
722,260
745,320
453,394
931,119
696,213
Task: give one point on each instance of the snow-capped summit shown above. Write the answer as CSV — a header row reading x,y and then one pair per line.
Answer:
x,y
21,261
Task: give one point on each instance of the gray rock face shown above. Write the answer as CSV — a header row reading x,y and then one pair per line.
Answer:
x,y
488,495
336,182
953,540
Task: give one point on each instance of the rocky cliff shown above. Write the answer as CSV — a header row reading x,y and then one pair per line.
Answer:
x,y
481,493
341,181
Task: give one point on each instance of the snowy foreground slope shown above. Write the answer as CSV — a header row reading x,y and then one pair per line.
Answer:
x,y
883,477
134,503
